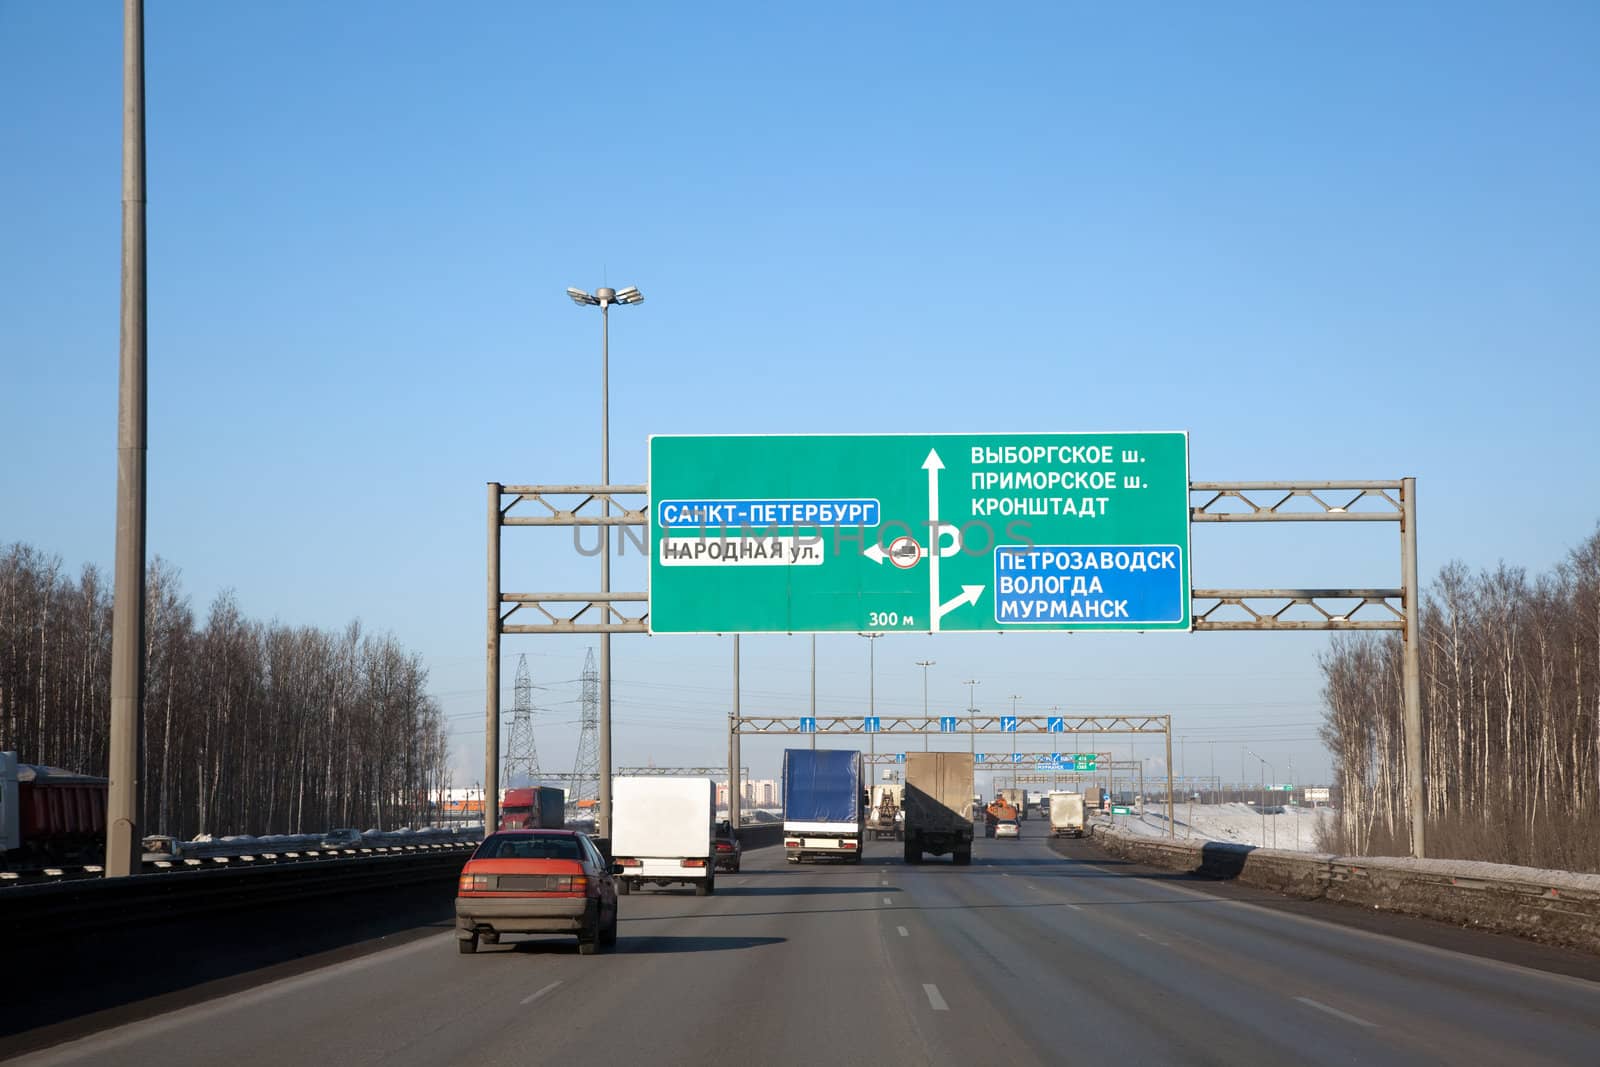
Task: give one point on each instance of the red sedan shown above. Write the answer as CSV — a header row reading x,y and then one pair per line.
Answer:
x,y
536,882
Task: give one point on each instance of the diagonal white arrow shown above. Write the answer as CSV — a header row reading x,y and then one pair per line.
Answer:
x,y
933,465
969,595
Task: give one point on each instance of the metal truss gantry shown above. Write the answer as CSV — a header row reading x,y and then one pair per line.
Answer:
x,y
978,723
1213,610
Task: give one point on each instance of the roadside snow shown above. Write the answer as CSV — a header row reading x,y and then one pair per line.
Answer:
x,y
1293,831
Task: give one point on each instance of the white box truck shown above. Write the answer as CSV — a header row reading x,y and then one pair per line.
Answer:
x,y
663,831
1066,814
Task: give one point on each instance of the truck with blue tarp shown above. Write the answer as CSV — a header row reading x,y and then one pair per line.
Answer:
x,y
824,804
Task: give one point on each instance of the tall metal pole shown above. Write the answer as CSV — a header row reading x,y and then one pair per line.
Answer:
x,y
872,688
1411,662
925,664
972,712
603,816
1014,699
123,850
1263,802
813,689
491,677
1172,825
733,745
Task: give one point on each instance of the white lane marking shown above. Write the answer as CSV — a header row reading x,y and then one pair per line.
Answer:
x,y
903,931
1336,1013
531,997
935,1000
1074,907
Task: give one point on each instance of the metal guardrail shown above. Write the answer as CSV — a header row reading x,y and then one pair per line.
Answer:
x,y
49,910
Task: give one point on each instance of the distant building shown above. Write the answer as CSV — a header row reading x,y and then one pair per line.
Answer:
x,y
757,793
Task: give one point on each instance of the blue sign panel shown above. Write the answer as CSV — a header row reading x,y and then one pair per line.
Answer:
x,y
1056,723
899,757
760,514
947,724
808,725
1018,757
1008,724
980,757
1085,585
870,724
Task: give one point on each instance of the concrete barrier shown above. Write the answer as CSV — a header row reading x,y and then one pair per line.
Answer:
x,y
760,835
1559,907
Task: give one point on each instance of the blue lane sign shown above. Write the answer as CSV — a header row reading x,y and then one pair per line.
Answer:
x,y
1017,757
1008,724
1057,724
981,756
870,724
899,757
808,725
947,724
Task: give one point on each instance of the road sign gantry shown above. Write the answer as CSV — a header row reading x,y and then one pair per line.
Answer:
x,y
935,724
1051,762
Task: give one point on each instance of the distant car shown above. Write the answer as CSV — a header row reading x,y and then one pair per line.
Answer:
x,y
1007,828
728,850
536,882
346,837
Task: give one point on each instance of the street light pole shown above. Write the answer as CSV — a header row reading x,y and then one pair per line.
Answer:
x,y
733,745
925,664
123,851
813,689
972,712
1014,698
604,297
872,690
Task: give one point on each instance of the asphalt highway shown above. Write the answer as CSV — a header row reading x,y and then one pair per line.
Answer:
x,y
1029,956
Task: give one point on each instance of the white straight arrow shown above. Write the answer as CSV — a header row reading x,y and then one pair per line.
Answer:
x,y
933,465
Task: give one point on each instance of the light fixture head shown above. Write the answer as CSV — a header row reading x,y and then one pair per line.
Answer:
x,y
581,298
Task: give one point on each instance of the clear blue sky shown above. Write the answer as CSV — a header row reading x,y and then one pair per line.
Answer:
x,y
1356,242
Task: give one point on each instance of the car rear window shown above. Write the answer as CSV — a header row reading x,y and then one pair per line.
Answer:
x,y
529,847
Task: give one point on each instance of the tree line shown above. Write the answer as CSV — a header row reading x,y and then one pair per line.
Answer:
x,y
1510,714
249,727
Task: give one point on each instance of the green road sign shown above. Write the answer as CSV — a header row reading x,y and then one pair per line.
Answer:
x,y
1117,809
919,532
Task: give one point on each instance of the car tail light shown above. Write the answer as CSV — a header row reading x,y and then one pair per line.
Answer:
x,y
791,844
847,844
694,863
473,883
627,863
564,883
723,846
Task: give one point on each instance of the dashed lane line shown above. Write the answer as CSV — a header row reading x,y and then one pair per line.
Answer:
x,y
1336,1013
935,998
531,997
